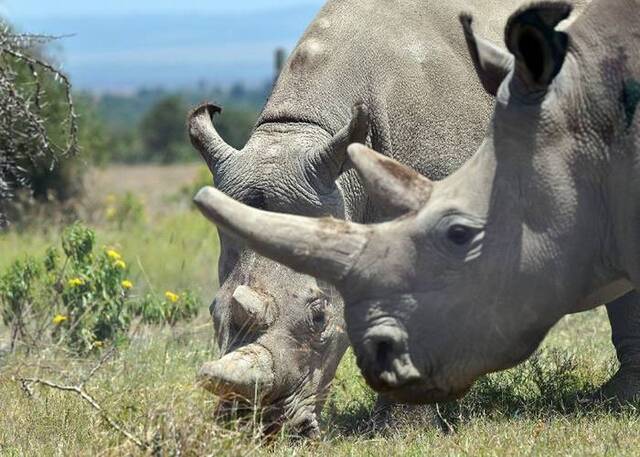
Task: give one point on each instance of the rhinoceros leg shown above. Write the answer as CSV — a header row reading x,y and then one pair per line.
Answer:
x,y
389,416
624,315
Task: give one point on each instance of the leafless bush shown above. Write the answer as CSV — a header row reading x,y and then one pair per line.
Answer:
x,y
25,137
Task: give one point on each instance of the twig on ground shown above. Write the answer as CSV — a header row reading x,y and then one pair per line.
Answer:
x,y
26,387
107,355
81,391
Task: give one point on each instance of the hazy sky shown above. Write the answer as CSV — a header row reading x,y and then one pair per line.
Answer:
x,y
126,44
30,8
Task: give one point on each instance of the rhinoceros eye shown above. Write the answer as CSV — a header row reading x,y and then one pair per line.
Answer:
x,y
319,315
460,234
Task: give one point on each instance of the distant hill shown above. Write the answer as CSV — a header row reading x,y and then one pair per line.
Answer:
x,y
124,53
123,112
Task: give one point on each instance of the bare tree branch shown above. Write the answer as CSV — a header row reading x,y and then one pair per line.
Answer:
x,y
80,390
24,134
107,355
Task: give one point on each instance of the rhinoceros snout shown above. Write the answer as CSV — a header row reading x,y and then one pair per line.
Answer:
x,y
385,358
246,373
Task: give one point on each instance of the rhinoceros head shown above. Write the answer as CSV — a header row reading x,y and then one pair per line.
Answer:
x,y
281,333
483,263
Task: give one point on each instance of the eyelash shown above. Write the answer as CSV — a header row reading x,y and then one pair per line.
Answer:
x,y
318,310
460,234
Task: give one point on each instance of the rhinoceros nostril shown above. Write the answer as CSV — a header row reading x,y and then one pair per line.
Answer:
x,y
384,354
386,358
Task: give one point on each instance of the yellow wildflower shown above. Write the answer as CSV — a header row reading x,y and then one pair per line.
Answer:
x,y
120,264
126,284
59,319
113,254
76,282
98,344
171,296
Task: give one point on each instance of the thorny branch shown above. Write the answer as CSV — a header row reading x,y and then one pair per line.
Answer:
x,y
23,124
79,389
72,142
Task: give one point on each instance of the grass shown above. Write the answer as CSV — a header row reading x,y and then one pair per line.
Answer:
x,y
175,252
148,385
149,388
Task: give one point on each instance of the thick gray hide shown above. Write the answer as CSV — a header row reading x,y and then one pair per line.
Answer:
x,y
408,64
542,221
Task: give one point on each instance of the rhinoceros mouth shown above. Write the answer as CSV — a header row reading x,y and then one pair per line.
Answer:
x,y
417,390
272,417
294,412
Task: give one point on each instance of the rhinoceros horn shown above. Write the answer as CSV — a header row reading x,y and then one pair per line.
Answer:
x,y
205,138
327,161
397,188
246,373
325,248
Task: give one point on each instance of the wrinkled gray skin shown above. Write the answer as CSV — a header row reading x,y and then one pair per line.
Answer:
x,y
281,333
542,221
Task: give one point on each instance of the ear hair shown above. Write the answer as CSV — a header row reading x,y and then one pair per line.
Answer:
x,y
539,49
204,137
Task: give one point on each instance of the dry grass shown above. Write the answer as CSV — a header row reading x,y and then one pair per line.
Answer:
x,y
148,386
155,185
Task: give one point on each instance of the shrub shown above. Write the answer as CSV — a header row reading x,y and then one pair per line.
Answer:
x,y
83,297
170,309
16,291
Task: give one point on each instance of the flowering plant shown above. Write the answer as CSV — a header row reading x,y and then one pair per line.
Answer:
x,y
85,297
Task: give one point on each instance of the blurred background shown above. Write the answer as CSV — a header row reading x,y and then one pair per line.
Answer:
x,y
130,59
121,162
101,248
122,46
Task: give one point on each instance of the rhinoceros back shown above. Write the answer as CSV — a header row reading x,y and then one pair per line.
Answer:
x,y
408,61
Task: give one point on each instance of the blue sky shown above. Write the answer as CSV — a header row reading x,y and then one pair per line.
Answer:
x,y
122,45
40,8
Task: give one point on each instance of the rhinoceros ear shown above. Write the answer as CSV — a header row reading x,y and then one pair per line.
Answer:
x,y
396,187
538,48
327,162
205,138
492,63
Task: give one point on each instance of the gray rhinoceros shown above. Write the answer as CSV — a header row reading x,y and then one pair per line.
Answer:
x,y
282,333
541,222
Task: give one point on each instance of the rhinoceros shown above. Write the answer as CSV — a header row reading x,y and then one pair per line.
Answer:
x,y
281,333
542,221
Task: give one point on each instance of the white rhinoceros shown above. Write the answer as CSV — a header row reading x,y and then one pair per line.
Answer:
x,y
541,222
281,333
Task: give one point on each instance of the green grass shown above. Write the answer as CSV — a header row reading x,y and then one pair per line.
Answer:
x,y
171,253
148,386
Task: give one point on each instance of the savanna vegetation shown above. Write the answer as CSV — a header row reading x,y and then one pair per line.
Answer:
x,y
106,272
